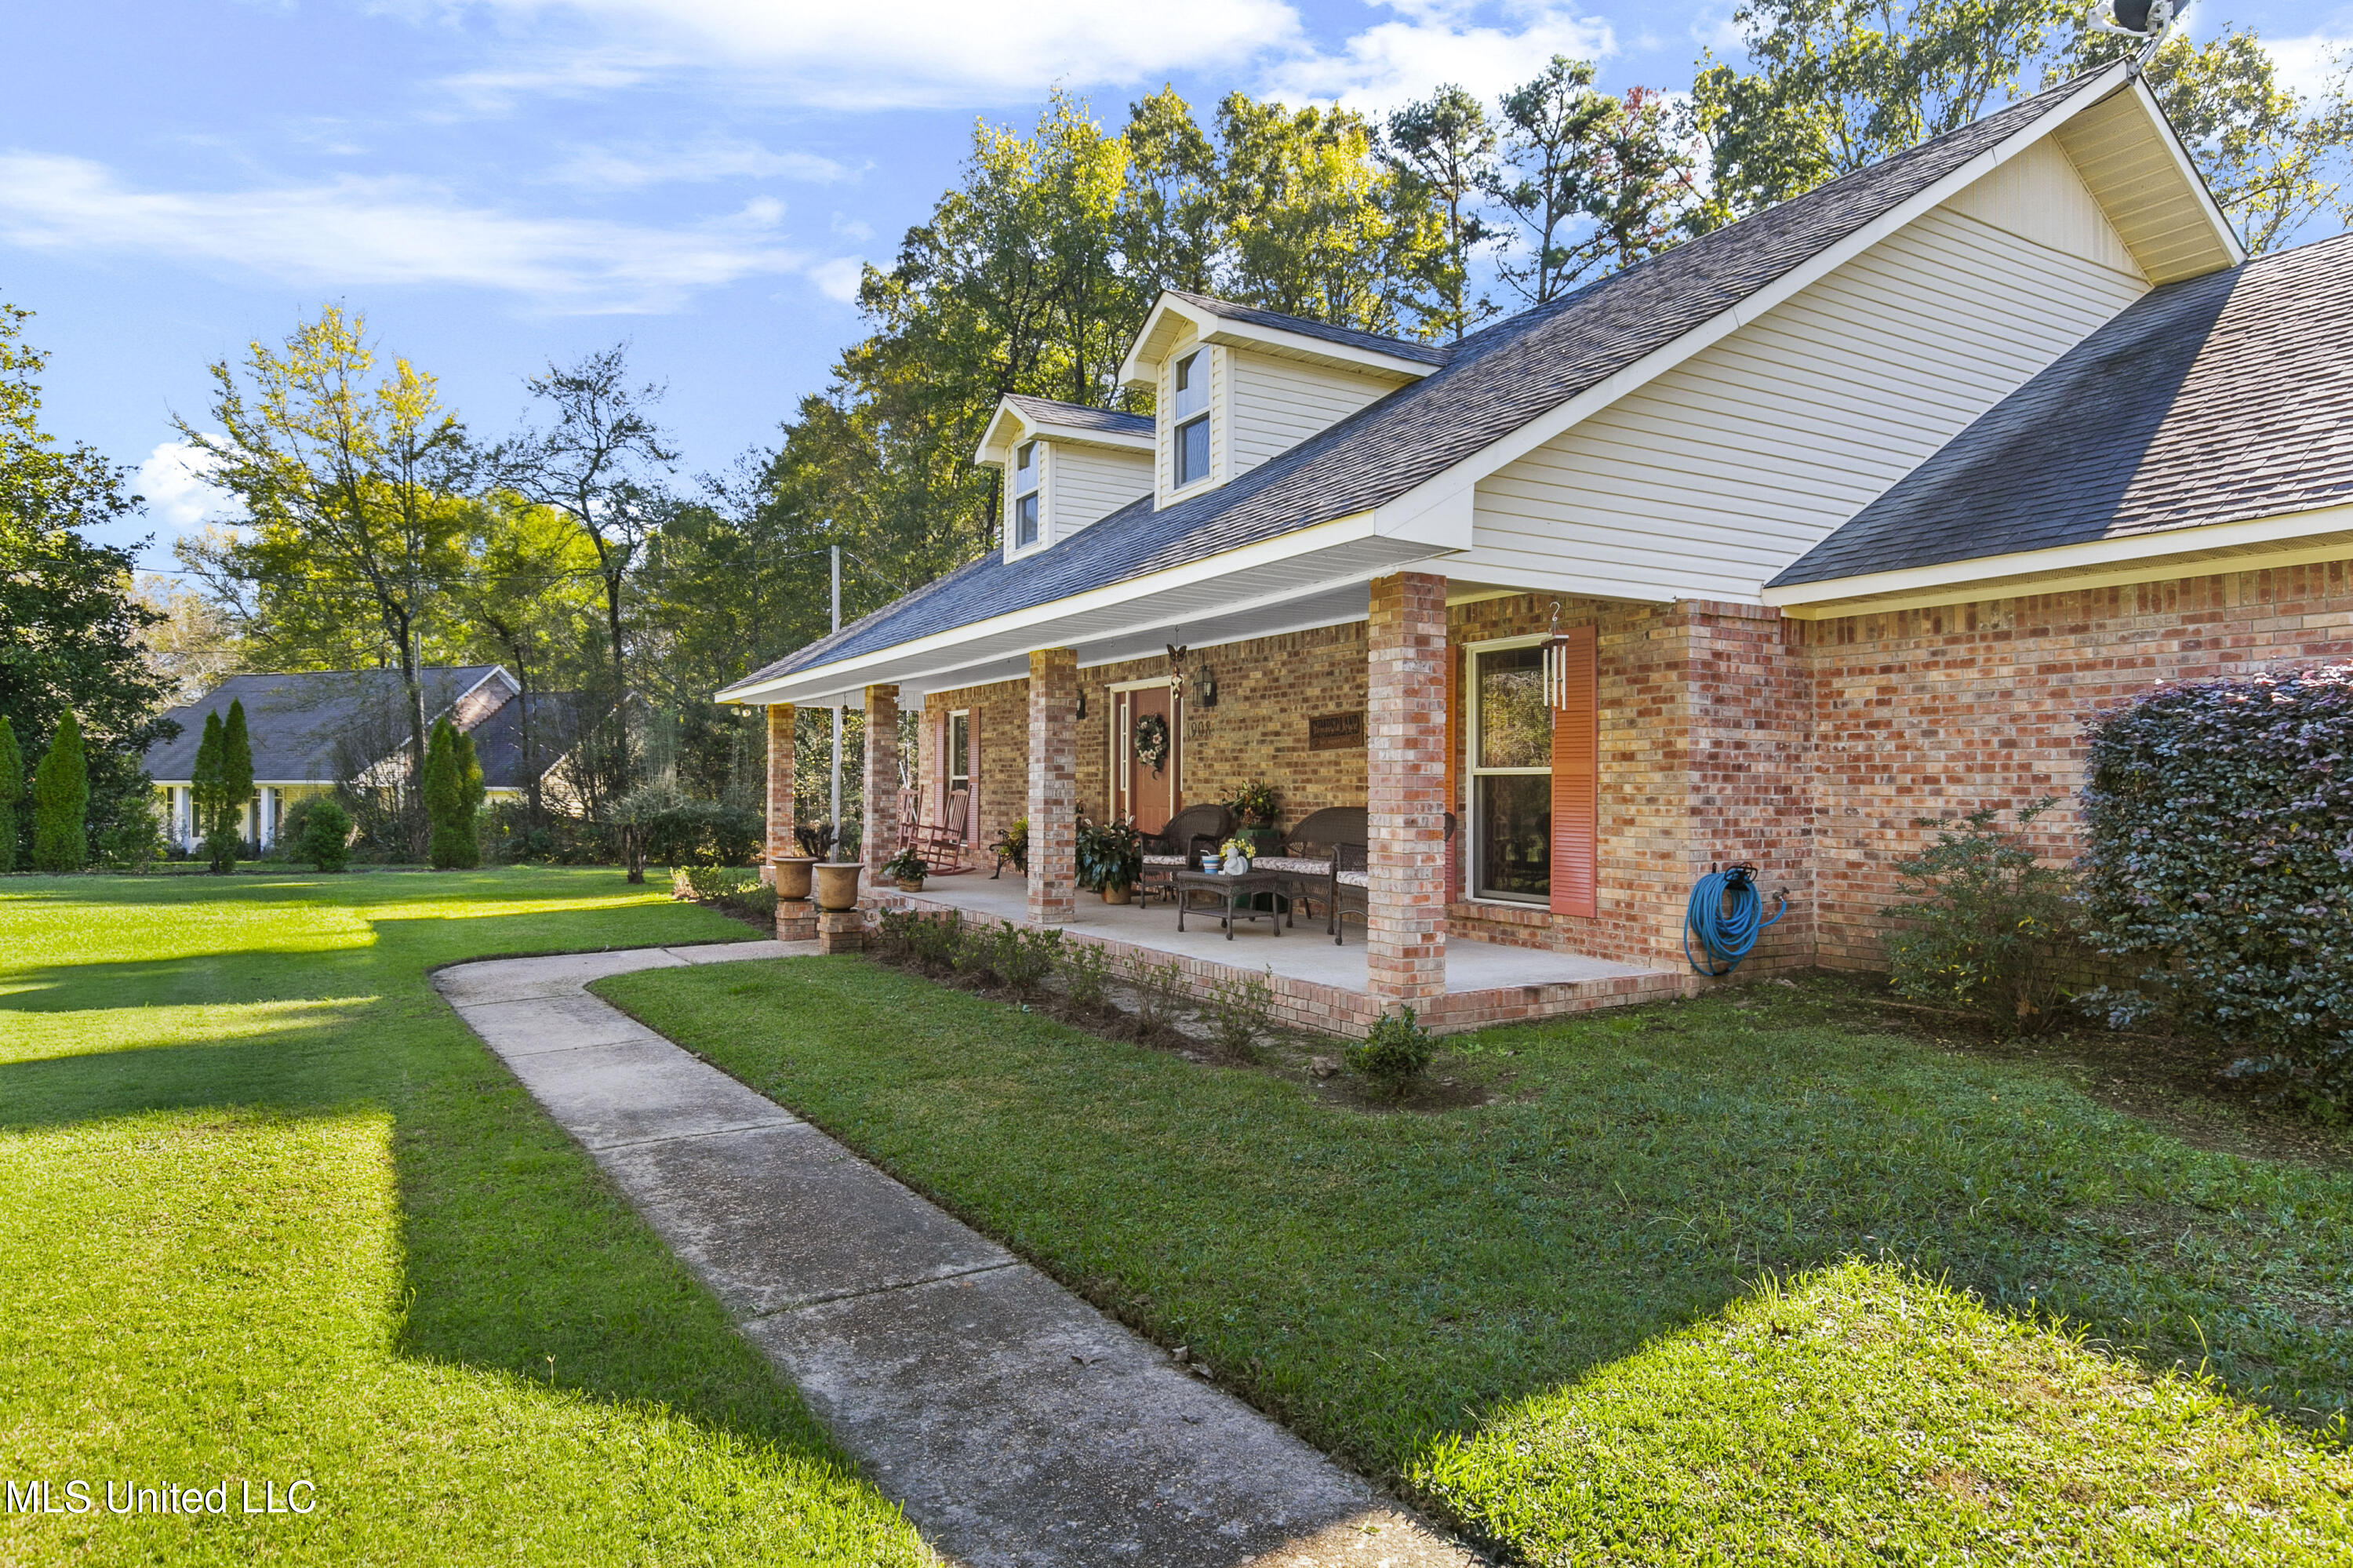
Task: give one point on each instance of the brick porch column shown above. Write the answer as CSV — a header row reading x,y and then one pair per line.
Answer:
x,y
1404,787
1053,786
882,812
780,782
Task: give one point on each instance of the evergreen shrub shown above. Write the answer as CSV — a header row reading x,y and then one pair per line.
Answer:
x,y
2221,857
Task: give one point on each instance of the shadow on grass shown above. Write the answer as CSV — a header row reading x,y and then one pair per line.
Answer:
x,y
518,1257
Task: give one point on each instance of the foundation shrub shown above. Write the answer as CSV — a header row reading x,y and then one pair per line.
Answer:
x,y
894,934
1086,977
1159,992
1242,1013
318,831
2220,858
934,940
1394,1056
1989,929
1025,957
977,947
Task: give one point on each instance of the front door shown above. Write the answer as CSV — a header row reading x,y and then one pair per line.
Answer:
x,y
1145,761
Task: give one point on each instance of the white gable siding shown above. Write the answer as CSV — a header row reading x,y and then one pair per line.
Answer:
x,y
1220,363
1086,484
1278,403
2039,195
1715,476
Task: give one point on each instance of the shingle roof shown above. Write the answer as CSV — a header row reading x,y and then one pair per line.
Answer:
x,y
498,740
297,723
1351,337
1079,416
1491,383
2219,399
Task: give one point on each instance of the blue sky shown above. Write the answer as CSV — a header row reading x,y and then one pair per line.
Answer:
x,y
500,182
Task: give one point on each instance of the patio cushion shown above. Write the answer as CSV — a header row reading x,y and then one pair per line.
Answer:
x,y
1291,862
1354,879
1167,860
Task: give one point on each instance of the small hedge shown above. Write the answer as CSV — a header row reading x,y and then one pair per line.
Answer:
x,y
2221,829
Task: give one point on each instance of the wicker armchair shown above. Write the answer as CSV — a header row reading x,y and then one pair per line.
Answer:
x,y
1350,889
1177,844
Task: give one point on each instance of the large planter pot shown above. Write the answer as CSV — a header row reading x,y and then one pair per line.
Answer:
x,y
793,876
837,884
1118,893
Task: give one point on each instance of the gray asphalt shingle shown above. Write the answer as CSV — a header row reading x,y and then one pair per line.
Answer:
x,y
2219,399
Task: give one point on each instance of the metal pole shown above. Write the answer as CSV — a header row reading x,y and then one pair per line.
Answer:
x,y
836,819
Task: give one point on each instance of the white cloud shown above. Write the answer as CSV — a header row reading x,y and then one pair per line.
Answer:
x,y
918,53
608,168
2314,65
352,232
837,279
1435,42
173,479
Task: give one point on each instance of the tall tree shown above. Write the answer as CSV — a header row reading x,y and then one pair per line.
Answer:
x,y
529,593
1170,222
237,770
69,628
12,792
208,797
1320,226
62,802
352,494
600,462
1595,183
1445,146
1645,190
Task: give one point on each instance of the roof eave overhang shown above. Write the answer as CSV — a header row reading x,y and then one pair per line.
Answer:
x,y
2291,538
1008,428
1306,562
1169,312
1450,489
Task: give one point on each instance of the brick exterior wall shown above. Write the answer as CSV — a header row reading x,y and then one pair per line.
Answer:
x,y
780,782
881,824
1405,726
1054,785
1000,715
1931,713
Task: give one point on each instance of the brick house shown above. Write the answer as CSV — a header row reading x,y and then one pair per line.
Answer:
x,y
1848,513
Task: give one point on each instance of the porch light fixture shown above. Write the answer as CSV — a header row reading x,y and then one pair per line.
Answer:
x,y
1209,688
1556,665
1082,702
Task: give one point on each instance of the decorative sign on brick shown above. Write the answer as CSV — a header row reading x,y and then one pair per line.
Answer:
x,y
1335,732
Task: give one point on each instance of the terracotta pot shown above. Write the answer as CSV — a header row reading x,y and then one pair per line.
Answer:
x,y
1118,893
911,884
837,884
793,876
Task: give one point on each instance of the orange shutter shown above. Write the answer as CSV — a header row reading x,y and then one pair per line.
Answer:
x,y
1576,781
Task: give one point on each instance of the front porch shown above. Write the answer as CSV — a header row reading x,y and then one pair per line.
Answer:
x,y
1317,985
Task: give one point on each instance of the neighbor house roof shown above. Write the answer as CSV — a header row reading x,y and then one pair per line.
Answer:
x,y
1489,383
310,727
499,739
2226,398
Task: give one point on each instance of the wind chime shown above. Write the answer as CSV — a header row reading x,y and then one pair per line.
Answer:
x,y
1556,665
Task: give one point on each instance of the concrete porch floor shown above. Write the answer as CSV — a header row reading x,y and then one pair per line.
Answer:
x,y
1302,952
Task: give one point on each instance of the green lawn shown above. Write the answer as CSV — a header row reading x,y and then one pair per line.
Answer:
x,y
270,1213
1545,1313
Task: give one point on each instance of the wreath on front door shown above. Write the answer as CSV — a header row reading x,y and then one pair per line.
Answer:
x,y
1152,742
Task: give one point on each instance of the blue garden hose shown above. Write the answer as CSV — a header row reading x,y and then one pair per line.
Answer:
x,y
1723,911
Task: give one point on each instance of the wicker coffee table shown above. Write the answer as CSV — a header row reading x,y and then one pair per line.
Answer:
x,y
1236,896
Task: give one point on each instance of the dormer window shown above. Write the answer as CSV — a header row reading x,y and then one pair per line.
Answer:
x,y
1192,417
1025,495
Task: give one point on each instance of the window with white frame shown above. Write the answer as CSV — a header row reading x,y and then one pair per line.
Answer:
x,y
1191,438
1511,776
1026,470
960,749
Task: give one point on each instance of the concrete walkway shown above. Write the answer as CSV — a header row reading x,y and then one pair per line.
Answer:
x,y
1013,1422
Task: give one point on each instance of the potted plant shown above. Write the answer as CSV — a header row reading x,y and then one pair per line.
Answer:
x,y
1012,847
1110,859
1257,806
907,869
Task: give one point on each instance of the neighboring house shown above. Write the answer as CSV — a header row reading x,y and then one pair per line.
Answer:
x,y
312,731
1847,514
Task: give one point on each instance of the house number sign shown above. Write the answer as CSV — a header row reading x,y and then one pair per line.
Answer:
x,y
1335,732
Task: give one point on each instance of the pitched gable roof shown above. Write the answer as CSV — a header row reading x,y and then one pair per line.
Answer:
x,y
300,724
1306,326
1081,416
1490,384
2219,399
